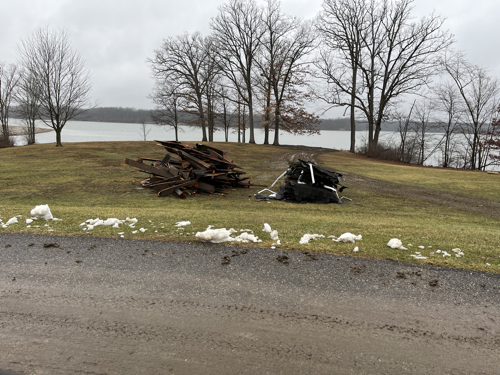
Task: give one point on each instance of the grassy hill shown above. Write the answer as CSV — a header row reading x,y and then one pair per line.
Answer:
x,y
438,209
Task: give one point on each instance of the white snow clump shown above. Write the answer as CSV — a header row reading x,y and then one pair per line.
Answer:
x,y
92,223
12,220
223,235
41,212
356,249
182,223
458,253
308,237
348,237
215,235
395,243
245,237
273,233
418,256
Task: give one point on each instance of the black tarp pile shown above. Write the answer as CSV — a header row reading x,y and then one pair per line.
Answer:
x,y
197,169
307,182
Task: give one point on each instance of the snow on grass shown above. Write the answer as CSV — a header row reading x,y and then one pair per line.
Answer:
x,y
308,237
41,212
224,235
395,243
348,237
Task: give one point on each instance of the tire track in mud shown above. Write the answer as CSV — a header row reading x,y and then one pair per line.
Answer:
x,y
238,313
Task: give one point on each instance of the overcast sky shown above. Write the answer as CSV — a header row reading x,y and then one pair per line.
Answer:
x,y
116,37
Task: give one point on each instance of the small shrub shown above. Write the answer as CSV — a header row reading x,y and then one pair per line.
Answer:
x,y
6,141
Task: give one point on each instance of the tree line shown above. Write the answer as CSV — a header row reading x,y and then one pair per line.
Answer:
x,y
50,82
366,56
260,67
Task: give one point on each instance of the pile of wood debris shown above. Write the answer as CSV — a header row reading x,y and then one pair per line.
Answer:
x,y
197,169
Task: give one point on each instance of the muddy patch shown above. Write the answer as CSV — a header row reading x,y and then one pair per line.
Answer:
x,y
282,259
358,269
309,256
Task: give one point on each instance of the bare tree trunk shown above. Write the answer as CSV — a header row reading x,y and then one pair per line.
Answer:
x,y
276,127
239,123
244,125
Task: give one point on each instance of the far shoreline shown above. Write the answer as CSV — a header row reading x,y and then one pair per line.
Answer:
x,y
20,130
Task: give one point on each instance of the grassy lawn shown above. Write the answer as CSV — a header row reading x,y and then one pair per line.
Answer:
x,y
474,183
88,180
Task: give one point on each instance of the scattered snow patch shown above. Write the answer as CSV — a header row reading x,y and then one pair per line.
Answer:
x,y
182,223
41,212
12,220
245,237
418,256
267,228
308,237
349,237
395,243
215,235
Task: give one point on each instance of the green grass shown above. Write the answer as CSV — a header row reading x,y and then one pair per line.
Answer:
x,y
465,182
87,180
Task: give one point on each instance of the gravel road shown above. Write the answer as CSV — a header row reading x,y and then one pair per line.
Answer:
x,y
71,305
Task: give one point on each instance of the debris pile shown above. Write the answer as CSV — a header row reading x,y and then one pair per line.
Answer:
x,y
306,182
197,169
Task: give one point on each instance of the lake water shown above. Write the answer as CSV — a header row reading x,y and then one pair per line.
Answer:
x,y
85,131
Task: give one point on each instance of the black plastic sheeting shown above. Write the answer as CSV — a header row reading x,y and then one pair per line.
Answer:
x,y
307,182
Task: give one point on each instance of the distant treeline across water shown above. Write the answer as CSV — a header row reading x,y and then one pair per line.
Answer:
x,y
139,116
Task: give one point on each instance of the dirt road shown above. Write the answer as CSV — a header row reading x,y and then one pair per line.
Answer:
x,y
110,306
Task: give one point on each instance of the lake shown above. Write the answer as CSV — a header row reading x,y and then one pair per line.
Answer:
x,y
86,131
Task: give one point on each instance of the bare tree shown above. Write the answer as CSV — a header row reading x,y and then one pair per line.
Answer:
x,y
397,56
287,40
421,124
144,131
9,85
406,150
213,88
493,140
479,93
62,82
343,25
449,106
180,60
237,32
28,105
229,112
168,102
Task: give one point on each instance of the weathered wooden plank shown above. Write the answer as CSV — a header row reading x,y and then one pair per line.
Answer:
x,y
149,168
171,189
